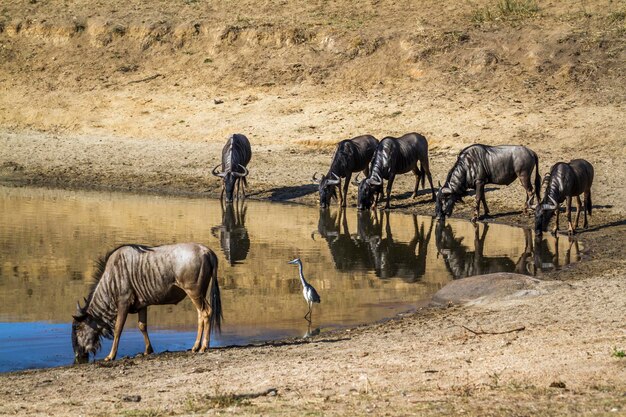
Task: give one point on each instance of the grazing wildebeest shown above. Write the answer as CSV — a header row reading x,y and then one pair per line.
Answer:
x,y
133,277
562,183
478,165
235,157
233,234
351,155
395,156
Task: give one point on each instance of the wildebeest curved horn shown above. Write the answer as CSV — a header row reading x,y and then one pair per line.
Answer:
x,y
333,181
446,190
375,180
315,179
548,207
242,174
217,174
355,181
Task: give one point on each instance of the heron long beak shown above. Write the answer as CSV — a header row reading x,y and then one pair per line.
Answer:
x,y
295,261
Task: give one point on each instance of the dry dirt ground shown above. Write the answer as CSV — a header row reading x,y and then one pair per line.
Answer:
x,y
140,96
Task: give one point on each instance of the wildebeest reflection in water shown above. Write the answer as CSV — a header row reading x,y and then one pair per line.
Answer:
x,y
462,262
372,250
233,234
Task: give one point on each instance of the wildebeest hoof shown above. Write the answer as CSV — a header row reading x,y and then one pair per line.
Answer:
x,y
195,348
108,359
149,351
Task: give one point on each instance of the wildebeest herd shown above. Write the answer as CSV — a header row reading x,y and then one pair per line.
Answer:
x,y
133,277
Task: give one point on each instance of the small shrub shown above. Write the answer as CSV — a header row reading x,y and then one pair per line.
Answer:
x,y
618,353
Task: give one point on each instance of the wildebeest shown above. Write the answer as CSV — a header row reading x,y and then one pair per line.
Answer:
x,y
233,234
133,277
351,155
565,180
478,165
235,157
395,156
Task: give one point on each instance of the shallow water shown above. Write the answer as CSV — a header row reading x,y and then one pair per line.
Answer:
x,y
366,267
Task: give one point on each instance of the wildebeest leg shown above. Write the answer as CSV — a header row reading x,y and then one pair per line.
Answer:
x,y
122,313
480,189
346,183
556,224
568,211
204,326
426,171
244,186
341,193
579,207
587,204
484,200
525,180
222,194
389,185
418,175
143,328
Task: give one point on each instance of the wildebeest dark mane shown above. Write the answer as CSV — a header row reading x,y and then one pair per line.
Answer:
x,y
459,161
100,267
338,165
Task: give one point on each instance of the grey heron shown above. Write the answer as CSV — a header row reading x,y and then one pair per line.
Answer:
x,y
310,295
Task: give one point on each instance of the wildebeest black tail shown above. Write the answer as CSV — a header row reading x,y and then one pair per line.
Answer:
x,y
588,203
537,180
214,295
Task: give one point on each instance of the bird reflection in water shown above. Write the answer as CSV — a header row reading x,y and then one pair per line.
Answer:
x,y
372,247
232,232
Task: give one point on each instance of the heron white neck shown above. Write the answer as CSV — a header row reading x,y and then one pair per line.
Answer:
x,y
301,274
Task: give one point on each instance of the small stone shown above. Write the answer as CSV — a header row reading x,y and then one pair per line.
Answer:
x,y
131,398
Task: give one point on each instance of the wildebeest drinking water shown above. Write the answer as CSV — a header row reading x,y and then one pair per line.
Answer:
x,y
133,277
395,156
351,155
478,165
235,157
565,180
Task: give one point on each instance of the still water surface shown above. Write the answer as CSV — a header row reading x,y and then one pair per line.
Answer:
x,y
366,267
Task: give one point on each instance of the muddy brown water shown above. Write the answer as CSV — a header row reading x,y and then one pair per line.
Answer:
x,y
365,266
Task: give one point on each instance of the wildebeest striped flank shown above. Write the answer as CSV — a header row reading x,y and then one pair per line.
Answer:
x,y
133,277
